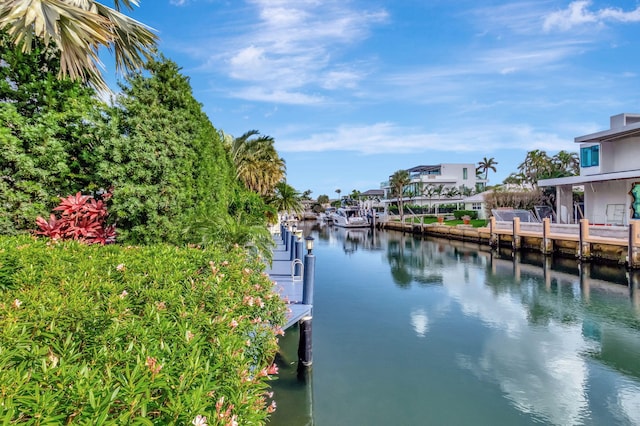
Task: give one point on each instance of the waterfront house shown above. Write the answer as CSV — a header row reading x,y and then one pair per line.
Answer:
x,y
476,202
609,173
432,185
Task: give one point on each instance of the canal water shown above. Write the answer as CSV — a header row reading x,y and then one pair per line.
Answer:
x,y
409,331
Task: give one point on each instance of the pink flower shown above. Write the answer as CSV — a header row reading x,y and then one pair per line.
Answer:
x,y
271,408
233,324
199,421
189,335
121,267
123,294
273,369
153,365
16,303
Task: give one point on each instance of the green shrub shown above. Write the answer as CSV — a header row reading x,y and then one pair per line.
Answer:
x,y
471,213
134,335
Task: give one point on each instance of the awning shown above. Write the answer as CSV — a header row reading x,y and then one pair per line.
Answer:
x,y
578,180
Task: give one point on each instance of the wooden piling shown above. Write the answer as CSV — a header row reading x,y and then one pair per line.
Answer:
x,y
584,246
516,242
633,252
494,239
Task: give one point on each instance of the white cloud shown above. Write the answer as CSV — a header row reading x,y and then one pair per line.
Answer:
x,y
381,138
294,44
255,93
178,2
577,14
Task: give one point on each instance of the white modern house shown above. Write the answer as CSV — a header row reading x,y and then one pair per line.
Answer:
x,y
609,172
438,184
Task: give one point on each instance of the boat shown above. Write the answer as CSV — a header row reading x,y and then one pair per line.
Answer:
x,y
349,217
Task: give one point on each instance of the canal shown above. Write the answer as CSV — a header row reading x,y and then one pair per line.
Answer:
x,y
434,332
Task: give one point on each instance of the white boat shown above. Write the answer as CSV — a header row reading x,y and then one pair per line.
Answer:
x,y
349,217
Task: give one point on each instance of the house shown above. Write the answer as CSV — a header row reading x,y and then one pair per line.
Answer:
x,y
438,184
609,172
476,202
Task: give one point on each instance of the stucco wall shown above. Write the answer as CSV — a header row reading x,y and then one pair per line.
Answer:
x,y
598,195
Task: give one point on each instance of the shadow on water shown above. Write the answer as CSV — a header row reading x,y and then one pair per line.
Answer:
x,y
553,292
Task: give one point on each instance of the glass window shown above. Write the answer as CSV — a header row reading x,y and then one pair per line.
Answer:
x,y
464,173
590,156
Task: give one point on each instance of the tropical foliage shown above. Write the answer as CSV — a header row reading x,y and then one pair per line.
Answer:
x,y
257,162
163,158
526,200
286,199
398,181
538,165
323,199
485,165
48,135
76,30
80,217
134,335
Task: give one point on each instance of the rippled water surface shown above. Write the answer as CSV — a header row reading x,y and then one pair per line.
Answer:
x,y
434,332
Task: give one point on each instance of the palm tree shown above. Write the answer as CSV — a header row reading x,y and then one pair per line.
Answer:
x,y
398,181
566,163
536,165
286,199
485,165
257,163
78,28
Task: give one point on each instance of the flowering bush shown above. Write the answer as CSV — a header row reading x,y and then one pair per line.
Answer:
x,y
81,218
135,335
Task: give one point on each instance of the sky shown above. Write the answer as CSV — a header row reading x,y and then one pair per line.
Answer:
x,y
354,90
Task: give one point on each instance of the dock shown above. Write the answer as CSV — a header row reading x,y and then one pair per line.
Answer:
x,y
584,241
292,273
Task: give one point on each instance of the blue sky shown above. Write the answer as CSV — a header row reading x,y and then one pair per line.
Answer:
x,y
353,90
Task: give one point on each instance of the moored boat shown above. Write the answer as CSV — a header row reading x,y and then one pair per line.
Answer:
x,y
349,217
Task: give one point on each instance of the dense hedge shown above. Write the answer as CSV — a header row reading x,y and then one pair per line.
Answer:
x,y
133,335
471,213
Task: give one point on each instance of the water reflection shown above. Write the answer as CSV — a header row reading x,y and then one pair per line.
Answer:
x,y
420,322
556,341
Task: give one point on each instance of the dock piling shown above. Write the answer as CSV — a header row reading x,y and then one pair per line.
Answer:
x,y
305,354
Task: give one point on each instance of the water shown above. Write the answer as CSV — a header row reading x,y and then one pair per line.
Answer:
x,y
433,332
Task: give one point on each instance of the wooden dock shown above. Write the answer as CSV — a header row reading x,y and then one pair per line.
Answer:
x,y
585,241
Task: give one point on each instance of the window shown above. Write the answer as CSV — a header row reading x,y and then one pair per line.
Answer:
x,y
464,173
476,206
590,156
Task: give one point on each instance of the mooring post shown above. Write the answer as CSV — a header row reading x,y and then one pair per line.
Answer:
x,y
305,354
633,251
516,242
299,251
292,246
493,237
584,247
285,238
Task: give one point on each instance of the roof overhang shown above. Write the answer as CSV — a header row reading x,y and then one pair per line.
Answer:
x,y
578,180
611,134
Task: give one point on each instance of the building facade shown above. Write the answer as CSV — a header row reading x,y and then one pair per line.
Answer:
x,y
433,185
609,172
